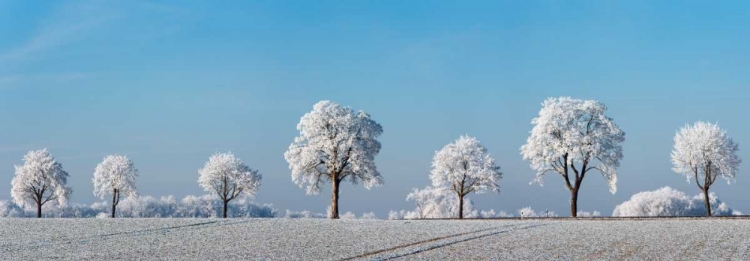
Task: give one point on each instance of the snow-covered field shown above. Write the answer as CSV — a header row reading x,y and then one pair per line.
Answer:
x,y
312,239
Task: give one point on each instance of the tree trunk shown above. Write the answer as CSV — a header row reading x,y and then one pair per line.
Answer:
x,y
225,207
334,200
460,206
115,200
707,202
39,210
114,207
574,203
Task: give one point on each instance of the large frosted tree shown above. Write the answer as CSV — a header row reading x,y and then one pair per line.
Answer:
x,y
572,137
705,152
41,179
228,177
115,176
465,167
336,144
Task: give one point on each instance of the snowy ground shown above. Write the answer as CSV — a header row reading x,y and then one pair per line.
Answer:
x,y
300,239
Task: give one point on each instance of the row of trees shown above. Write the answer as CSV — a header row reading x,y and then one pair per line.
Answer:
x,y
570,137
145,206
41,179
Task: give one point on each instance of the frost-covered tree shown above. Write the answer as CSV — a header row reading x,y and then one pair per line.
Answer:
x,y
228,177
465,167
572,135
705,152
39,180
336,144
115,176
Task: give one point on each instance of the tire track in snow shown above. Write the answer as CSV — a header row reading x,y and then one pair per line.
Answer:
x,y
412,244
453,242
435,243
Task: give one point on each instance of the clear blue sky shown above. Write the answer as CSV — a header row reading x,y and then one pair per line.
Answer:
x,y
168,83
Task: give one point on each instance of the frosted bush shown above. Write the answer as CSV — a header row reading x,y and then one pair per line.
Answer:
x,y
396,215
438,203
718,208
526,212
303,214
487,214
589,214
9,209
548,213
403,214
667,201
348,215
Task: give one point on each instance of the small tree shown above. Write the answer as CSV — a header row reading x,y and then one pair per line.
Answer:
x,y
464,167
39,180
576,135
226,175
335,144
115,176
705,152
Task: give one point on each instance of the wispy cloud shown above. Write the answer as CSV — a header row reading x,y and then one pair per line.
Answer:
x,y
68,23
75,21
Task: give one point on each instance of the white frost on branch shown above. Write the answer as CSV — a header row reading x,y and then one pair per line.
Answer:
x,y
39,180
115,174
228,177
569,132
705,152
465,166
335,142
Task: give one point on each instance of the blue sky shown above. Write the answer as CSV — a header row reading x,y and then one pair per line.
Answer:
x,y
168,83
